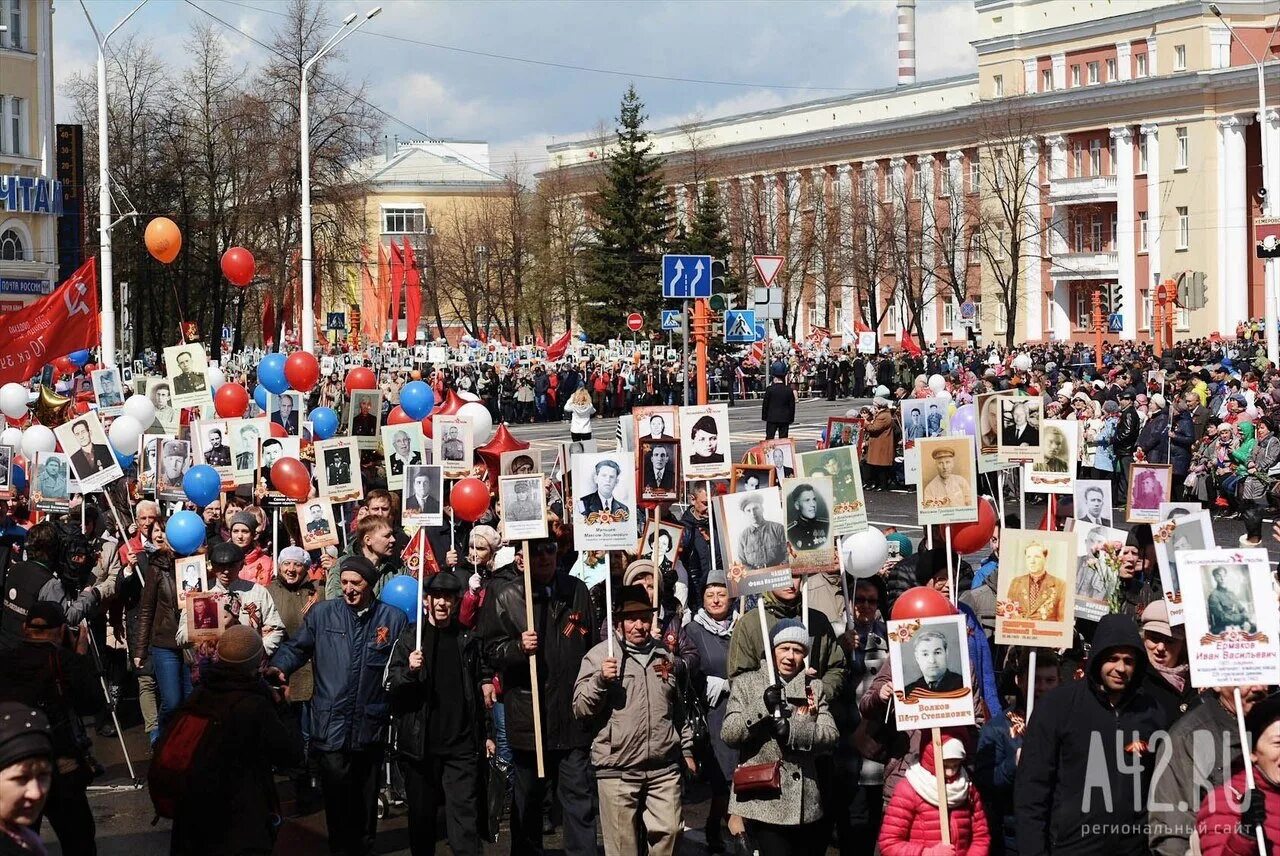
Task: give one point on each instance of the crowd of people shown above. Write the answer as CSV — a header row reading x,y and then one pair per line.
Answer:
x,y
509,694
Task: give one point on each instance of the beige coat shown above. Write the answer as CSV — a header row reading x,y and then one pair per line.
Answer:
x,y
880,447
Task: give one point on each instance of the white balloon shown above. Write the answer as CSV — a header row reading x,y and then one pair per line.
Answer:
x,y
481,422
944,394
936,383
124,434
13,400
140,408
467,396
1022,362
863,553
37,438
11,436
215,377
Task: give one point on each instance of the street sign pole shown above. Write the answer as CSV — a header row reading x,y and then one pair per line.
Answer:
x,y
684,364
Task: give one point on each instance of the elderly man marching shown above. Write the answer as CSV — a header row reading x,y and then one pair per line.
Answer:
x,y
627,692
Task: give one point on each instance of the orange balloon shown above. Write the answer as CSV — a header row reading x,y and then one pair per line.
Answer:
x,y
163,239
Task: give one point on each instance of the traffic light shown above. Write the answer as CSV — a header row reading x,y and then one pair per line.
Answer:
x,y
1116,303
1106,299
1199,291
717,276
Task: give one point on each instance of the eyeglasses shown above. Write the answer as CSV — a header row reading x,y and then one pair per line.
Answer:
x,y
867,601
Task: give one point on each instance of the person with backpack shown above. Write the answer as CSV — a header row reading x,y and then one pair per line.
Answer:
x,y
348,641
219,753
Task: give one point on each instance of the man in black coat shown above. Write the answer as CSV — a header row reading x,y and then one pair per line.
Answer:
x,y
778,407
1086,754
562,634
1124,442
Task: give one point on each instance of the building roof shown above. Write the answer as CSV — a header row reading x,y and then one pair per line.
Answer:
x,y
444,164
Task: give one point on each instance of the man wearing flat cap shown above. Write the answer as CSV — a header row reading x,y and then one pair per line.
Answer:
x,y
245,602
441,730
946,489
763,544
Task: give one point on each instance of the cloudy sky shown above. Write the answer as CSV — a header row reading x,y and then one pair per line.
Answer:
x,y
523,74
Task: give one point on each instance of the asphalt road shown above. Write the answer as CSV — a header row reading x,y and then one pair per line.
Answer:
x,y
123,812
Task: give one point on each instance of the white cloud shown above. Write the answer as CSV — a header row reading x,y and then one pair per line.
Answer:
x,y
428,103
943,34
746,102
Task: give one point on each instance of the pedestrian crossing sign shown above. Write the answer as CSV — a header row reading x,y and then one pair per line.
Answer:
x,y
740,326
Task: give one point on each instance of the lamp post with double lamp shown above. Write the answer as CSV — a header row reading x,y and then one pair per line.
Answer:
x,y
1266,193
306,326
104,190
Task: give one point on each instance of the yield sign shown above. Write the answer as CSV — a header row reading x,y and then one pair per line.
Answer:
x,y
767,267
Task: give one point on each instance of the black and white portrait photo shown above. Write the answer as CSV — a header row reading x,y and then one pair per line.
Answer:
x,y
807,504
452,445
750,477
403,446
929,660
604,504
186,367
315,519
421,500
51,482
524,515
92,460
364,416
1093,502
1020,421
338,469
659,470
173,462
704,441
286,411
108,390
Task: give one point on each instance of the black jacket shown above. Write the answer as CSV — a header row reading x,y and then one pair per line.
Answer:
x,y
59,682
565,636
1173,704
1125,439
778,404
411,693
255,739
1074,728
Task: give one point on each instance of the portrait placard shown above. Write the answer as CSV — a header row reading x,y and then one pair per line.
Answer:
x,y
172,463
245,437
271,450
1180,532
518,462
403,446
338,469
205,617
668,535
189,574
753,541
94,464
315,519
932,681
109,391
807,504
451,445
659,470
211,447
1021,417
656,422
1149,486
524,511
422,502
947,491
750,477
604,504
921,418
988,439
1033,591
185,367
842,431
780,455
364,415
1093,502
1055,471
51,483
1229,607
704,441
1097,568
286,410
168,415
841,466
6,471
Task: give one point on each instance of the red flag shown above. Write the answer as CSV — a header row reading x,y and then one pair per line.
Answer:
x,y
268,321
557,348
859,327
410,554
412,294
372,323
909,344
397,284
384,292
64,321
539,341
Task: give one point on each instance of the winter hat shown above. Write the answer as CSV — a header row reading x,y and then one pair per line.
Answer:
x,y
488,534
716,577
953,749
293,553
631,601
905,547
1157,401
225,553
24,733
1110,407
636,570
790,630
1155,619
244,518
240,645
1259,718
361,566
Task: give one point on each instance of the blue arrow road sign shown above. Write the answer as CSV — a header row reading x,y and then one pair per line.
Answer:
x,y
671,319
740,326
762,331
686,277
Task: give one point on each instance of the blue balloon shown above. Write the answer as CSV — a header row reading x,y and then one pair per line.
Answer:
x,y
582,337
260,394
185,531
20,478
125,461
401,591
80,358
417,399
271,373
324,422
202,484
473,344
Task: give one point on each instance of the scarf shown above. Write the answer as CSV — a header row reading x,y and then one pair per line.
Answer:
x,y
926,785
1175,677
723,629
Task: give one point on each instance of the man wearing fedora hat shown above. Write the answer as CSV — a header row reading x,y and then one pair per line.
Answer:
x,y
628,694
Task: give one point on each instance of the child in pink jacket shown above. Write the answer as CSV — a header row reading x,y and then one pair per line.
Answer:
x,y
911,825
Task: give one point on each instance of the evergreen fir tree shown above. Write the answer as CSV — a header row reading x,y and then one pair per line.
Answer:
x,y
625,261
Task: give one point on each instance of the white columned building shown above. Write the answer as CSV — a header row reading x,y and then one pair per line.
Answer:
x,y
1060,308
1151,133
1032,285
1233,217
843,230
1126,216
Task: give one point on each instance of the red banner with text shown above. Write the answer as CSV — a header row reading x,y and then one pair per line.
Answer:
x,y
52,327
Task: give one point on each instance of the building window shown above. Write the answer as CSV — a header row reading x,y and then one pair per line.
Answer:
x,y
1092,69
975,175
1114,231
1142,231
13,38
1111,156
1095,157
1179,57
1182,319
1084,308
1079,235
997,83
1184,228
1140,65
949,314
917,183
11,112
1148,320
11,247
1046,80
1183,157
1111,70
893,316
1095,236
1077,158
403,220
1075,75
1002,317
1142,154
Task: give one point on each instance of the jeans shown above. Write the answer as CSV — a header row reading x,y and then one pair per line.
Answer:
x,y
173,682
500,732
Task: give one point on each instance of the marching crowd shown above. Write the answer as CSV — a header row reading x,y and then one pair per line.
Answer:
x,y
521,701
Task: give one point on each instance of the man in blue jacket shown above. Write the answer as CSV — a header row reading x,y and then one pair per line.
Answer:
x,y
349,642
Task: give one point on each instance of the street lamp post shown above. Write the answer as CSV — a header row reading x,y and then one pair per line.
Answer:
x,y
305,324
1270,186
104,190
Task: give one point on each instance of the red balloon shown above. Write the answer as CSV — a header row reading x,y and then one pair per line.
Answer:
x,y
231,400
302,371
469,499
450,405
89,367
426,426
290,477
277,430
918,602
361,378
238,266
397,416
976,534
501,441
64,365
